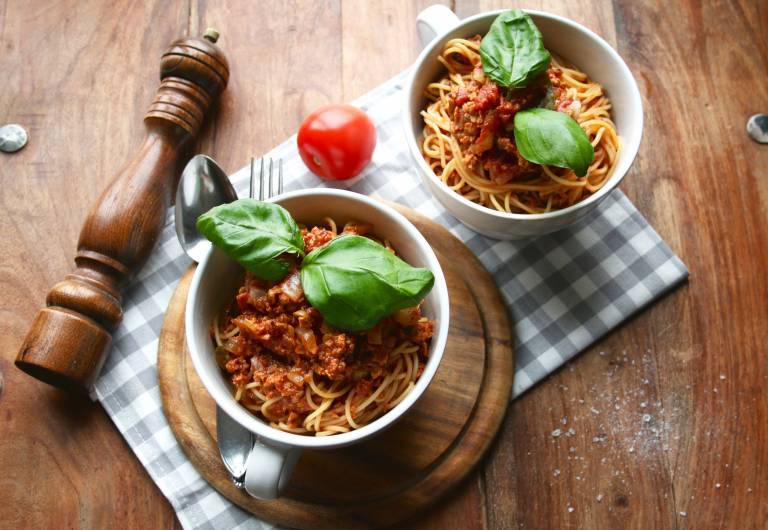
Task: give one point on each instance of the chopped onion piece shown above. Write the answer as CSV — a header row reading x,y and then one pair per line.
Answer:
x,y
406,317
256,363
254,293
307,338
291,286
296,377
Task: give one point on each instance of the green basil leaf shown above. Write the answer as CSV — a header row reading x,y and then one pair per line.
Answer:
x,y
354,282
553,138
256,234
513,52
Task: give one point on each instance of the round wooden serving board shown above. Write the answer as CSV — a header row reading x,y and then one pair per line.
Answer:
x,y
398,473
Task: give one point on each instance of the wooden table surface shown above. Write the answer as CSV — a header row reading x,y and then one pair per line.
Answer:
x,y
669,414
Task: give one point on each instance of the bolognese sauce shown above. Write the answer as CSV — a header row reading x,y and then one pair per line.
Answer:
x,y
301,375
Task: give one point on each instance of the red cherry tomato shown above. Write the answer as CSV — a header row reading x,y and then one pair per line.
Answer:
x,y
336,142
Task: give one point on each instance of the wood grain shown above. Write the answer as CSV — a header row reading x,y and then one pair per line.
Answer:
x,y
68,342
698,179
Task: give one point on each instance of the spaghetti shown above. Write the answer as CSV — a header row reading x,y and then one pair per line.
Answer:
x,y
468,140
290,368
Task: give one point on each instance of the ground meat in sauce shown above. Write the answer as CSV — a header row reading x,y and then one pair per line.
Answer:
x,y
283,340
315,238
483,116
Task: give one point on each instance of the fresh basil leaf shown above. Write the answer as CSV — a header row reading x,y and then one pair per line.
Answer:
x,y
256,234
553,138
513,52
354,282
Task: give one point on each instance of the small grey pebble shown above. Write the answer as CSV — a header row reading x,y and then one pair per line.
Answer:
x,y
757,128
12,138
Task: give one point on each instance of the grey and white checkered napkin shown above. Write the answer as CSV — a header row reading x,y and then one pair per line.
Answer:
x,y
564,292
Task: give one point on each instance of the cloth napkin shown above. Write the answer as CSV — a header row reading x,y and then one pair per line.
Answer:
x,y
564,291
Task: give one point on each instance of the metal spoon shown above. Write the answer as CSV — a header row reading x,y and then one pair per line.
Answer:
x,y
204,185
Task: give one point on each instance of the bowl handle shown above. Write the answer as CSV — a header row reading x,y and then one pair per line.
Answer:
x,y
268,469
433,21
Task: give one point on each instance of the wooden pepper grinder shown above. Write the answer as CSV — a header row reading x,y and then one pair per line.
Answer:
x,y
70,338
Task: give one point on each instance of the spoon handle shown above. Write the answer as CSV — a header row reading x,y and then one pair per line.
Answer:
x,y
69,339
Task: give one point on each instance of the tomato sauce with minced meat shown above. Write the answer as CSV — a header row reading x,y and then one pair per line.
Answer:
x,y
282,340
483,120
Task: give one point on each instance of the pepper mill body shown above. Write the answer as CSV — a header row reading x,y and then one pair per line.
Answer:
x,y
69,339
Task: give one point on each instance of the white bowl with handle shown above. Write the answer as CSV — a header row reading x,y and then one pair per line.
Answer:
x,y
216,281
565,38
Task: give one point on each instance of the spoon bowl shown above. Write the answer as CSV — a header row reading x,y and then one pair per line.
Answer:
x,y
202,186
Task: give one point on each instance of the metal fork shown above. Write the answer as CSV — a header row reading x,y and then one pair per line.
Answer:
x,y
268,177
234,441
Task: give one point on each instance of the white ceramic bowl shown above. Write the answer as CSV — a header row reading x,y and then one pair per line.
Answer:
x,y
216,281
565,38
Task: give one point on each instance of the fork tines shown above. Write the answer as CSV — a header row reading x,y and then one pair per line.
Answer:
x,y
266,179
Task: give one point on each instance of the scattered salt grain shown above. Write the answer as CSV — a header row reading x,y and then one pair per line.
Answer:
x,y
646,418
556,433
717,485
571,509
683,514
599,497
722,377
643,404
594,411
571,431
631,449
556,472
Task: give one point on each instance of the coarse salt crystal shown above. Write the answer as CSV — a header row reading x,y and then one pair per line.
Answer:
x,y
683,514
571,509
556,472
556,433
571,431
599,497
646,418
